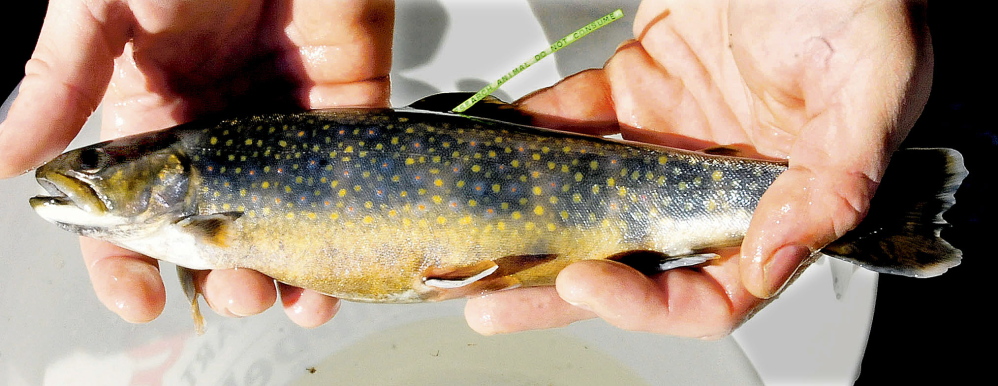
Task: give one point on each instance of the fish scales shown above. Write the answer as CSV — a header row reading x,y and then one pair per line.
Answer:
x,y
409,205
385,185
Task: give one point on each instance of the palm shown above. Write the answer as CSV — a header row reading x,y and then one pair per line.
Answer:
x,y
158,63
811,87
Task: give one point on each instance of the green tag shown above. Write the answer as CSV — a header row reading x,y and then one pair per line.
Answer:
x,y
562,43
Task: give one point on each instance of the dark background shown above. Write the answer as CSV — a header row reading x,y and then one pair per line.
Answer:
x,y
924,331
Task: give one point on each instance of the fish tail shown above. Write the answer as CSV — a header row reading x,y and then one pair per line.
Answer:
x,y
901,233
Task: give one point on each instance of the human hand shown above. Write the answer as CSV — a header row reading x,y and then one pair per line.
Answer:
x,y
831,87
155,64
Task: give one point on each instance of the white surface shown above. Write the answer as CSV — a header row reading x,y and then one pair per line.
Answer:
x,y
56,332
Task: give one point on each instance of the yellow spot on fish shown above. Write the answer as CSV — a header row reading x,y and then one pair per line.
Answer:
x,y
214,140
529,226
682,185
334,216
438,182
595,189
501,226
299,179
552,227
368,205
282,143
472,202
515,163
265,184
536,157
367,220
711,205
242,192
717,175
248,142
349,149
516,215
594,165
537,190
496,188
662,160
611,182
622,191
410,161
441,220
226,206
476,168
437,199
357,188
311,215
287,189
290,215
539,210
342,192
466,220
553,200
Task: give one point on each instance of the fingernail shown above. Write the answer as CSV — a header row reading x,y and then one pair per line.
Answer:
x,y
781,267
581,305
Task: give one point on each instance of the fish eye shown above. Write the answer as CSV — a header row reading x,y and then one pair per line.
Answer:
x,y
92,159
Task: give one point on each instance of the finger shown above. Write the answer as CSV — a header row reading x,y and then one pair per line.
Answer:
x,y
344,50
125,282
680,302
521,309
580,103
63,84
307,308
236,292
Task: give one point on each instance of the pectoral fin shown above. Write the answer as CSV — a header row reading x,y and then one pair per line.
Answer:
x,y
214,229
186,276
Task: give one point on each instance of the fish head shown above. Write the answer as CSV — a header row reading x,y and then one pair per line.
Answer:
x,y
116,188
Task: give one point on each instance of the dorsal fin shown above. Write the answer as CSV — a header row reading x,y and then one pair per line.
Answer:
x,y
489,107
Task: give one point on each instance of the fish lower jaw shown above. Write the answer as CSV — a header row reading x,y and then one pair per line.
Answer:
x,y
57,210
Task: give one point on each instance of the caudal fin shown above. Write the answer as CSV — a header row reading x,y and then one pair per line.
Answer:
x,y
901,233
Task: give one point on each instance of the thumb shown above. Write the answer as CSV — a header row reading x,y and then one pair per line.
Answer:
x,y
804,210
63,84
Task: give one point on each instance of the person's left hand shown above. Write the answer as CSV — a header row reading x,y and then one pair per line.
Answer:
x,y
155,64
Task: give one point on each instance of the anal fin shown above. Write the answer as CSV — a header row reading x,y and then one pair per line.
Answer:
x,y
652,262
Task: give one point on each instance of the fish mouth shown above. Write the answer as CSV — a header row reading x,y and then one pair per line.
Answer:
x,y
66,192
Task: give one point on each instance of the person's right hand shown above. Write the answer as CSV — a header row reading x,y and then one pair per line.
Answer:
x,y
831,87
155,64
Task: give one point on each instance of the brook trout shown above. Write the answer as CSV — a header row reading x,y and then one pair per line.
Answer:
x,y
407,205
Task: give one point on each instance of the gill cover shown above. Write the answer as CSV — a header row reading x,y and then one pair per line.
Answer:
x,y
123,181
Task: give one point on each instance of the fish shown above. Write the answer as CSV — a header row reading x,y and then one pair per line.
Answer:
x,y
418,204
